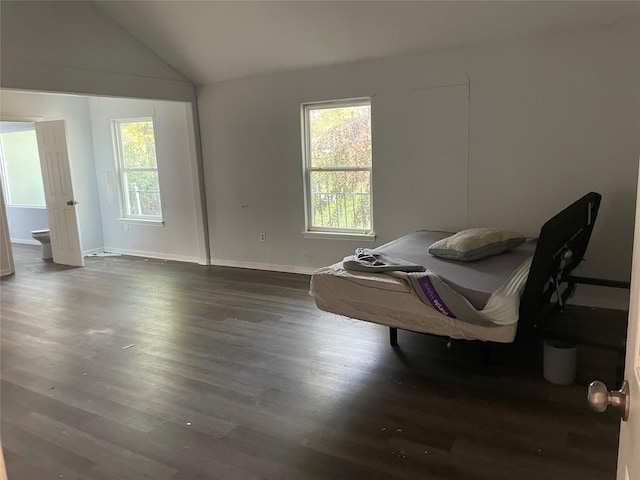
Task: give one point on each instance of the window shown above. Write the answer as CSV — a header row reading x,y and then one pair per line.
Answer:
x,y
138,168
20,163
337,166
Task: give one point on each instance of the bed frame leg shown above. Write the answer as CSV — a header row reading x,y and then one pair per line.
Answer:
x,y
393,336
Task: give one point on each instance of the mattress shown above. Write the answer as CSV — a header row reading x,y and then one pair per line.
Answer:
x,y
391,300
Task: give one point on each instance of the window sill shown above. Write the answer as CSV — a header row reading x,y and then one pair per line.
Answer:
x,y
141,221
32,207
360,237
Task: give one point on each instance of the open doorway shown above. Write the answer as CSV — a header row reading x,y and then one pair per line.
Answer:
x,y
119,210
23,190
36,172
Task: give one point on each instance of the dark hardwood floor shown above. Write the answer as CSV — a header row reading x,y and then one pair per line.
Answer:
x,y
145,369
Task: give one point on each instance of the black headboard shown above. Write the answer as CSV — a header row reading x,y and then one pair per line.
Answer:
x,y
561,246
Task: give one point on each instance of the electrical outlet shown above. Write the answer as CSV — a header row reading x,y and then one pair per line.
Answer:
x,y
262,237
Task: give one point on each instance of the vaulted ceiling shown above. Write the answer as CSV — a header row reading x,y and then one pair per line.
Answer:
x,y
209,41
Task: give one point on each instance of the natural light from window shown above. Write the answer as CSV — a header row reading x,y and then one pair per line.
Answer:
x,y
138,169
20,163
338,166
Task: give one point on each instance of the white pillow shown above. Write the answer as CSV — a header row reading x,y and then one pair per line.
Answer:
x,y
476,243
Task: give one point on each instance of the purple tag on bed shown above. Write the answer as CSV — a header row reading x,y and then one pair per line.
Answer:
x,y
433,297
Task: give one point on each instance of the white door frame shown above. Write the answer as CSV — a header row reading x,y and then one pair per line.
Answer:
x,y
26,119
12,118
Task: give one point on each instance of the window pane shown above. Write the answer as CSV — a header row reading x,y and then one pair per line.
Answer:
x,y
22,165
138,144
341,199
340,137
139,168
143,193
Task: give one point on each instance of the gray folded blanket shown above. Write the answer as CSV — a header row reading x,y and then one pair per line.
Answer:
x,y
366,260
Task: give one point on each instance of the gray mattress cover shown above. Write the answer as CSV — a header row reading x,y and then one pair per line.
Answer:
x,y
476,281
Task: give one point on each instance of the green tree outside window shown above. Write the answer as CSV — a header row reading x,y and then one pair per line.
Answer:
x,y
139,169
339,166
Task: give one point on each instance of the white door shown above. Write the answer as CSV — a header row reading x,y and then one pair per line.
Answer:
x,y
58,191
629,449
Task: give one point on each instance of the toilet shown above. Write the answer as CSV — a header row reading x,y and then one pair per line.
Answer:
x,y
43,237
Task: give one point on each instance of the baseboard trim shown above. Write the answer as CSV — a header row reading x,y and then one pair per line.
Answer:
x,y
263,266
25,241
600,297
6,271
93,251
156,255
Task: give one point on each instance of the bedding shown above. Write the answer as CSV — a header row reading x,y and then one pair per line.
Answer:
x,y
459,302
476,243
367,260
490,299
391,301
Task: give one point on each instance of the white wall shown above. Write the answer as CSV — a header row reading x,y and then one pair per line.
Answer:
x,y
75,111
251,145
408,127
548,120
73,47
182,235
23,220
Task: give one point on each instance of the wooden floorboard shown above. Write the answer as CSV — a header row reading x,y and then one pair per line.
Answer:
x,y
134,368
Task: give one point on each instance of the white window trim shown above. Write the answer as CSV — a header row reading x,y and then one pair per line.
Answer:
x,y
119,154
327,232
140,221
360,237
